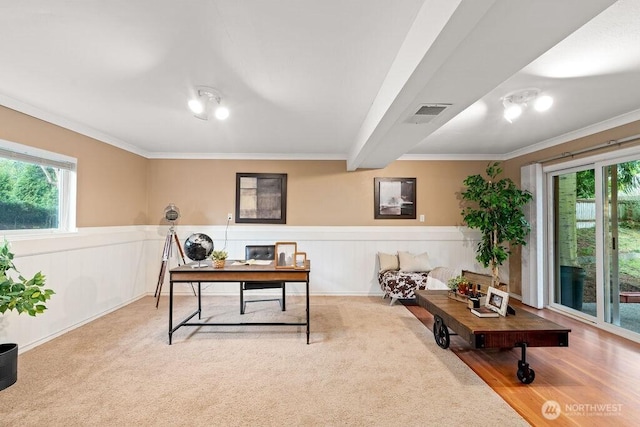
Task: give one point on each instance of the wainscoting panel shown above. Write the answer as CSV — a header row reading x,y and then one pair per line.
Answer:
x,y
93,272
97,270
343,259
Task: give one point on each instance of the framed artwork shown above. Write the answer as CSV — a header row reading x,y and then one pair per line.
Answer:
x,y
394,198
261,198
300,260
286,254
497,301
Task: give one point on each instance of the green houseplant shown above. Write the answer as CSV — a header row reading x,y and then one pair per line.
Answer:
x,y
458,283
495,207
218,258
22,295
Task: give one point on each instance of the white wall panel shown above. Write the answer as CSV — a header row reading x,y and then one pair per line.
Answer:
x,y
98,270
343,259
93,272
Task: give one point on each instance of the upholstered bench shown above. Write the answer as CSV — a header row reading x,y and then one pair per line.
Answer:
x,y
398,284
401,274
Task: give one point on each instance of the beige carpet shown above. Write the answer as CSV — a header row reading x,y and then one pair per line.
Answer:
x,y
368,364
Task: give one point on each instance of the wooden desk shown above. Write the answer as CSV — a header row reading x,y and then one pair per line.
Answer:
x,y
234,273
522,330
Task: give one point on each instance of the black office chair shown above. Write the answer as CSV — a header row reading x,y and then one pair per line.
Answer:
x,y
260,252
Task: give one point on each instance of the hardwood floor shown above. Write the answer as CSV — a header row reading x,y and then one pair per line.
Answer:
x,y
595,381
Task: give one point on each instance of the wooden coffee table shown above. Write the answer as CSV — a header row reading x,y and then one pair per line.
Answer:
x,y
522,330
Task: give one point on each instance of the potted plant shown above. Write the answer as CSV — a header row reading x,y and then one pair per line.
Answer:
x,y
458,283
497,211
219,258
24,296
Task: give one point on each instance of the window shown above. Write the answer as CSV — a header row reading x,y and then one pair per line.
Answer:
x,y
37,189
594,234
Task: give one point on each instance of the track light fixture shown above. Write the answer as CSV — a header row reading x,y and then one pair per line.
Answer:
x,y
516,102
207,98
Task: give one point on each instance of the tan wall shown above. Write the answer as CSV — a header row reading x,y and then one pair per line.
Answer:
x,y
112,185
116,187
319,192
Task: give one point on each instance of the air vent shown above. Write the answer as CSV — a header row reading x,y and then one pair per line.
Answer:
x,y
426,113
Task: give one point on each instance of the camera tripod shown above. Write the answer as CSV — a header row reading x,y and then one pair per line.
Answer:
x,y
166,255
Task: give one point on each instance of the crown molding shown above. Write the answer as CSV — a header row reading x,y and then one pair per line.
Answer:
x,y
72,125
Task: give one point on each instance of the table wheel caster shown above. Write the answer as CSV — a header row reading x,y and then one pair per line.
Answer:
x,y
525,374
441,333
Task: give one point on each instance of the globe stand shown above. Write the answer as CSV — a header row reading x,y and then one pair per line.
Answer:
x,y
199,265
166,254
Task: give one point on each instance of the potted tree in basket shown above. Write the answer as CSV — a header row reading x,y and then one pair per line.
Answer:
x,y
496,209
24,296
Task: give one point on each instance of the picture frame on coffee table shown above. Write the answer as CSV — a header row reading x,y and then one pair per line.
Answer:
x,y
497,301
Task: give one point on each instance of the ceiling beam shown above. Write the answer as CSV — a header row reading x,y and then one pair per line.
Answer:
x,y
465,50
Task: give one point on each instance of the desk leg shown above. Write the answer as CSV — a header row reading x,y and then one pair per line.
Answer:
x,y
170,310
308,310
199,300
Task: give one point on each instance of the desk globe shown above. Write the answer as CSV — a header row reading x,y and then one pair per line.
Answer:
x,y
198,247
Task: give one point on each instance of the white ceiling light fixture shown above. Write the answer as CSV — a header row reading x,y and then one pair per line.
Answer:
x,y
222,113
543,103
512,112
206,99
516,102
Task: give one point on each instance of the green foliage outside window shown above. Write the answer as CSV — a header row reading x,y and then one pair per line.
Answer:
x,y
628,180
28,196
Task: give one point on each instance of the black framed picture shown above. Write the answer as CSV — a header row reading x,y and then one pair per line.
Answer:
x,y
261,198
394,198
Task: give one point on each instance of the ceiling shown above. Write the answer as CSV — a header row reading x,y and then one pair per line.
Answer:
x,y
333,79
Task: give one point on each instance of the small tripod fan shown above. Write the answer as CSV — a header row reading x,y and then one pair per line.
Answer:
x,y
171,214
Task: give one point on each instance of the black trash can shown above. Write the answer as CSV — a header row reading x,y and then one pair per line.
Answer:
x,y
572,286
8,365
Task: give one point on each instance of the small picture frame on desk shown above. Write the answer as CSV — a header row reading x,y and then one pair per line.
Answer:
x,y
497,301
300,260
286,254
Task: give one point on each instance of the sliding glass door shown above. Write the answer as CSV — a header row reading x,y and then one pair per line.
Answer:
x,y
595,230
574,220
621,222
